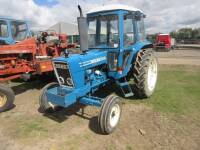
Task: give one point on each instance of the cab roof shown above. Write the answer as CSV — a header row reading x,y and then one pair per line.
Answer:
x,y
11,19
163,34
113,7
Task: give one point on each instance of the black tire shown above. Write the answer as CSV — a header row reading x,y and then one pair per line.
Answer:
x,y
7,97
45,106
105,123
143,61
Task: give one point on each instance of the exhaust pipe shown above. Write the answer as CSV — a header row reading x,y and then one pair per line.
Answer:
x,y
83,30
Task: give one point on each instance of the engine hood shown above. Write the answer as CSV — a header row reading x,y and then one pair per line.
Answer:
x,y
90,59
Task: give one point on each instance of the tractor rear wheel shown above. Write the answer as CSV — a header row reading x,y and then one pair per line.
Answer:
x,y
46,106
145,73
110,114
7,97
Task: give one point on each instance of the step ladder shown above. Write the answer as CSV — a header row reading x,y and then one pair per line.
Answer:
x,y
125,87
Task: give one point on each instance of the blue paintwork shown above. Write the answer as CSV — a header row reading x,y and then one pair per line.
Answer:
x,y
9,39
81,66
78,64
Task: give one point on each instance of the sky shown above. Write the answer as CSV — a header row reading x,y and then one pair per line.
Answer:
x,y
162,15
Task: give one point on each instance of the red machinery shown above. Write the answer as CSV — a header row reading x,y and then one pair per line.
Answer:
x,y
30,56
22,55
164,41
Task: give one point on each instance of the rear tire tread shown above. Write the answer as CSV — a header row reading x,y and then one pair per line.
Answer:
x,y
140,70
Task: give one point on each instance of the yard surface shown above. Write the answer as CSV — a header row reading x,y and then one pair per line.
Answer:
x,y
179,57
170,119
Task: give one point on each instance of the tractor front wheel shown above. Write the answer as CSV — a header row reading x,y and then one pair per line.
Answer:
x,y
145,73
46,106
110,114
7,97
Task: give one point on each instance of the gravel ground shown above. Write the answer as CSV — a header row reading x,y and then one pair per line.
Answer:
x,y
179,57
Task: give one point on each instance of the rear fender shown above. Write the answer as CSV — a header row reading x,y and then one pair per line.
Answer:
x,y
134,49
138,46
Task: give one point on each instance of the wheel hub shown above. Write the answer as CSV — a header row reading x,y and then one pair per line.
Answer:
x,y
114,115
3,99
152,75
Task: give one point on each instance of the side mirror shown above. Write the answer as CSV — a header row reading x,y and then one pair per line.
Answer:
x,y
138,15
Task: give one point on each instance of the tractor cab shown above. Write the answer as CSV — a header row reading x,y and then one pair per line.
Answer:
x,y
13,31
115,27
118,29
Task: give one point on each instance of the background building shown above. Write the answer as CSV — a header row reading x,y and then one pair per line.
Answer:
x,y
68,28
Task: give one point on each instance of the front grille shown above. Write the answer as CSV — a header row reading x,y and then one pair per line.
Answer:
x,y
63,74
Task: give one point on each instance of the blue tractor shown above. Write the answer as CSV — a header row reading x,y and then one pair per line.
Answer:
x,y
113,49
13,31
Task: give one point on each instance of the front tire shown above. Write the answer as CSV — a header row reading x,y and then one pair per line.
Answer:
x,y
46,106
7,97
145,73
110,114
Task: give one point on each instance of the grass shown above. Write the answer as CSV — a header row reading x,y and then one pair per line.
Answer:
x,y
177,91
128,147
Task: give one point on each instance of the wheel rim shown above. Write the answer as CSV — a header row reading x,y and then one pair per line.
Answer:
x,y
114,115
3,99
50,104
152,75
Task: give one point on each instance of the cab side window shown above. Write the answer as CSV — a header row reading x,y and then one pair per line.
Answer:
x,y
19,30
3,29
128,31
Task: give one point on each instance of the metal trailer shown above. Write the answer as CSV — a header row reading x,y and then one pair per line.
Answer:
x,y
164,42
114,49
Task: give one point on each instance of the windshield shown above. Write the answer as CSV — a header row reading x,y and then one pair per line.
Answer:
x,y
103,32
19,30
3,29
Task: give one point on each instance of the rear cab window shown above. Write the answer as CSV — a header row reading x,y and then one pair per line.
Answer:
x,y
141,29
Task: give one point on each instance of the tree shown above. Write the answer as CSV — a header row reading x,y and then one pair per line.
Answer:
x,y
185,33
196,33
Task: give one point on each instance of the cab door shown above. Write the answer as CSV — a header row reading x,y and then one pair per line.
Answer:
x,y
129,39
121,61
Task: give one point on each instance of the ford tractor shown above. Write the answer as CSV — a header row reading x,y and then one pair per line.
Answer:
x,y
114,49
